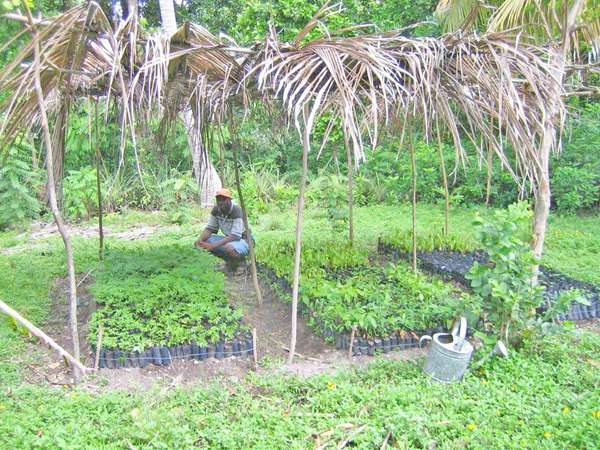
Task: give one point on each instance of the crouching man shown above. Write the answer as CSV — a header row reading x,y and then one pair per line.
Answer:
x,y
227,218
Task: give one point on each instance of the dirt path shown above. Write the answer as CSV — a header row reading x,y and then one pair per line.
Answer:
x,y
272,321
40,232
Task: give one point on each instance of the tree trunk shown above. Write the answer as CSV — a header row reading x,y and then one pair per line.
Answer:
x,y
542,191
58,147
414,202
205,173
298,249
542,196
52,193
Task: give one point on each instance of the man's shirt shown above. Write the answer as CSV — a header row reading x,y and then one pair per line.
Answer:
x,y
228,223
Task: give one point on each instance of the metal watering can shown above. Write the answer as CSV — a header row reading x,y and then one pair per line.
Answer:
x,y
449,353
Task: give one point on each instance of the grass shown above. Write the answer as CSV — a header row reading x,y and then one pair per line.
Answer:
x,y
572,242
545,396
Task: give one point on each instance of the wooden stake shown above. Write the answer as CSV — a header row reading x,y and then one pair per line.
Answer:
x,y
74,362
298,248
98,346
52,194
351,341
254,348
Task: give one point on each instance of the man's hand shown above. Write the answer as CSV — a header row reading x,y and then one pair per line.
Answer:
x,y
203,244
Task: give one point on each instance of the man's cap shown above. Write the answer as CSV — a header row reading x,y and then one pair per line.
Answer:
x,y
223,192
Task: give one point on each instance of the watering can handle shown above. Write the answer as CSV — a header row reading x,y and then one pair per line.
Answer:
x,y
459,329
423,338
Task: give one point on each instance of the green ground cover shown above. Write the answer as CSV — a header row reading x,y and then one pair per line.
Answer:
x,y
545,396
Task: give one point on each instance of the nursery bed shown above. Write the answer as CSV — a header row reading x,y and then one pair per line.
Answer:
x,y
160,304
454,266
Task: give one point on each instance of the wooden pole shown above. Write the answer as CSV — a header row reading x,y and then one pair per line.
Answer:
x,y
298,248
98,346
255,348
445,181
235,141
52,194
351,341
350,188
97,158
411,148
42,336
488,184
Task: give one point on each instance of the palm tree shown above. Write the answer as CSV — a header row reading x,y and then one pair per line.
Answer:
x,y
564,26
206,175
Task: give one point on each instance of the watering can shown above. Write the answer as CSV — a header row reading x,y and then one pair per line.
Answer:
x,y
449,353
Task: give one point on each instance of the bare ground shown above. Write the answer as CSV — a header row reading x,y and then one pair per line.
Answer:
x,y
271,320
42,231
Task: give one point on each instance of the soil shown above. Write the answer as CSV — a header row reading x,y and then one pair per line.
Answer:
x,y
271,320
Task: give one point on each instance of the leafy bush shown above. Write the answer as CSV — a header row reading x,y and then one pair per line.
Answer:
x,y
505,284
80,196
17,181
575,188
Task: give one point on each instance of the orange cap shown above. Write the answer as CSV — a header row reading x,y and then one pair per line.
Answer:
x,y
223,192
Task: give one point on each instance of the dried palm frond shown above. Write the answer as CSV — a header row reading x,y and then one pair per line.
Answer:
x,y
67,64
493,89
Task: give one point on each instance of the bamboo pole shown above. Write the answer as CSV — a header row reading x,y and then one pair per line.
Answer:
x,y
42,336
411,149
234,135
298,248
52,194
350,188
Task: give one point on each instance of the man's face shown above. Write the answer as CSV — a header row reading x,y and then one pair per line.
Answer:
x,y
224,203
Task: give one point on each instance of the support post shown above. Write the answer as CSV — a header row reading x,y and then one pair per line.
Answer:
x,y
350,193
43,337
411,149
445,181
52,194
235,141
298,248
98,185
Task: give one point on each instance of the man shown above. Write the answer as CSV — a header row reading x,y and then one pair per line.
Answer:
x,y
226,217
